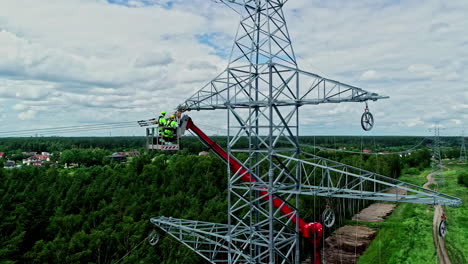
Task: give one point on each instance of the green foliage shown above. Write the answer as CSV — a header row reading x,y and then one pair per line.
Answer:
x,y
457,218
418,159
394,245
411,171
17,157
463,178
388,165
98,214
57,144
406,236
85,157
100,211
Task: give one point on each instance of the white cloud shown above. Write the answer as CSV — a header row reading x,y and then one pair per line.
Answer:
x,y
27,115
456,121
89,60
412,122
2,113
153,59
439,27
370,75
19,107
423,70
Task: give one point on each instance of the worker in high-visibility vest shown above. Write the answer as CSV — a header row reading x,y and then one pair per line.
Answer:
x,y
162,123
170,130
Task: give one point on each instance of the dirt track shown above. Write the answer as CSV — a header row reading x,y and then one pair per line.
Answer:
x,y
348,243
439,243
376,212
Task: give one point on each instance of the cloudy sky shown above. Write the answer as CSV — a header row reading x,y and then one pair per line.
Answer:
x,y
71,62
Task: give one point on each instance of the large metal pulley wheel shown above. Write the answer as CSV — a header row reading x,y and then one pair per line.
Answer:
x,y
367,120
153,238
442,228
328,217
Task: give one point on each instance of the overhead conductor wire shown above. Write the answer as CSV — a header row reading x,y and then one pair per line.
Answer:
x,y
67,129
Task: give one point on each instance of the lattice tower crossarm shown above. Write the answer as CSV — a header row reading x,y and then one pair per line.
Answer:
x,y
231,89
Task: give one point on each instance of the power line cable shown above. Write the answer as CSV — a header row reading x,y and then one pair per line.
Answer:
x,y
20,133
57,132
133,249
366,153
66,127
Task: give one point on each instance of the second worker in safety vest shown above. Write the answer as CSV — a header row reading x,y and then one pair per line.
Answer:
x,y
170,129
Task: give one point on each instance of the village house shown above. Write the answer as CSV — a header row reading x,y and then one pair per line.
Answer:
x,y
122,156
10,164
37,160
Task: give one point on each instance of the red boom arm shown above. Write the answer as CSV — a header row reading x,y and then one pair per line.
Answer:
x,y
312,231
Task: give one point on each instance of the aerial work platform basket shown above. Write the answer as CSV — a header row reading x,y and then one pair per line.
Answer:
x,y
154,141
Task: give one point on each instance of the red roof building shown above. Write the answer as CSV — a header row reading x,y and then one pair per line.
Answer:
x,y
43,157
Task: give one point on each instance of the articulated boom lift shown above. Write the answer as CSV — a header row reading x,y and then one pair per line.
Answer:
x,y
211,241
262,90
313,232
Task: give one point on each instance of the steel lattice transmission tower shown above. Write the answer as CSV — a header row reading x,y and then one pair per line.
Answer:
x,y
463,148
262,90
436,163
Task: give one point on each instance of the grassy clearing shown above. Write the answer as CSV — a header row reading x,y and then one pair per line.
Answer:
x,y
406,236
456,240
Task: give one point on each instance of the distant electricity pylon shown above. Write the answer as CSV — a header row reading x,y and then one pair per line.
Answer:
x,y
437,169
463,148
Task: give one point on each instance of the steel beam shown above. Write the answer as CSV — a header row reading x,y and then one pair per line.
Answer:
x,y
314,90
327,178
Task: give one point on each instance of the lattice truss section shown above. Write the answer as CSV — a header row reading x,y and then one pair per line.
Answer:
x,y
327,178
211,240
235,88
262,35
251,208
